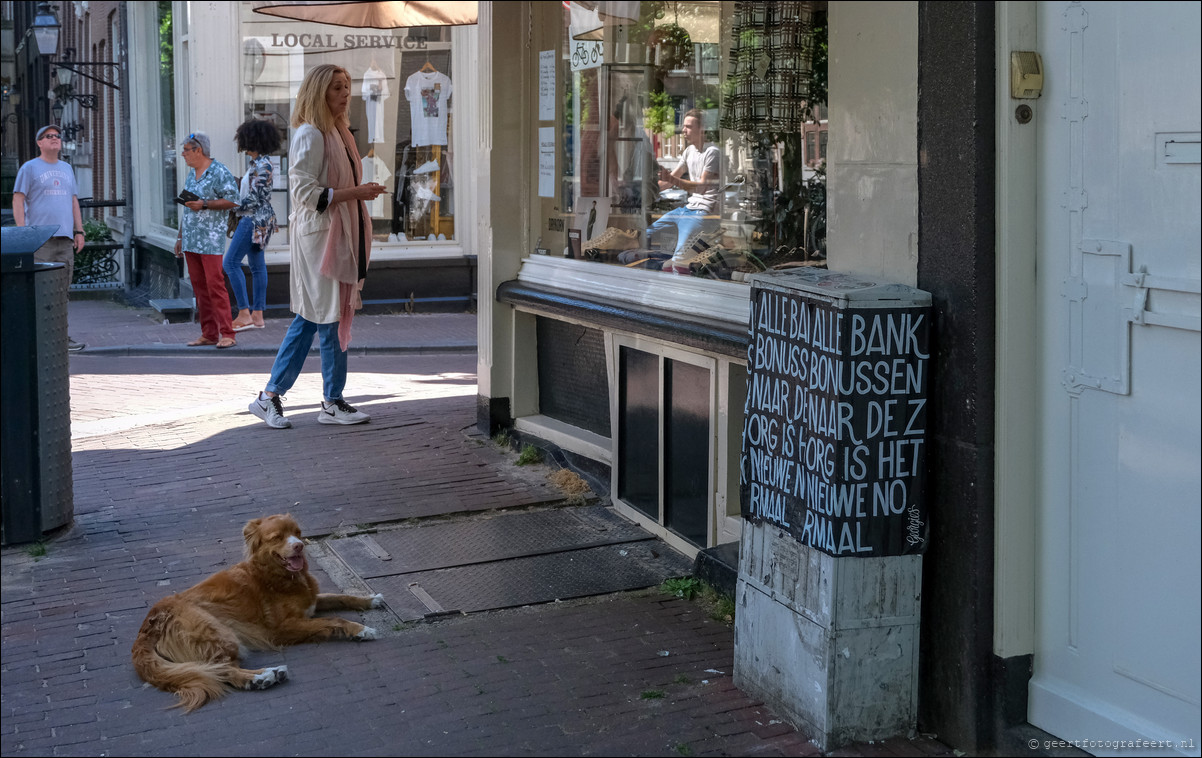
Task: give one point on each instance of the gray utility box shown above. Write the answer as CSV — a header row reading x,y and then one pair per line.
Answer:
x,y
36,491
831,491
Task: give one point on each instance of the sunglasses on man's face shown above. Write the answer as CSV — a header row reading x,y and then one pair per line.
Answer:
x,y
51,136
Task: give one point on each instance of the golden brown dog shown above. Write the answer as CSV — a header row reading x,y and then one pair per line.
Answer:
x,y
189,642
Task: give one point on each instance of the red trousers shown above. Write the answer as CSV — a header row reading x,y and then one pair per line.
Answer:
x,y
212,299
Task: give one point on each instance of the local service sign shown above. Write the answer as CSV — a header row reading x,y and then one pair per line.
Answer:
x,y
834,428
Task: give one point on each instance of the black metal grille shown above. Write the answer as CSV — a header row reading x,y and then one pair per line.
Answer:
x,y
572,381
97,264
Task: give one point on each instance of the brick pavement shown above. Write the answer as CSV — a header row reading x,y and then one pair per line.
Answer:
x,y
160,505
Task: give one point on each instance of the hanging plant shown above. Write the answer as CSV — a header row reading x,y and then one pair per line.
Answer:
x,y
660,116
673,46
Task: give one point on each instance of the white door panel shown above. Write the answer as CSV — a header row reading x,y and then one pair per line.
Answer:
x,y
1118,527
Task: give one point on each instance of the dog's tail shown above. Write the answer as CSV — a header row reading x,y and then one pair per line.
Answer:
x,y
194,683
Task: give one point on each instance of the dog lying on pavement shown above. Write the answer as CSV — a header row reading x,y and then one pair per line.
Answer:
x,y
189,642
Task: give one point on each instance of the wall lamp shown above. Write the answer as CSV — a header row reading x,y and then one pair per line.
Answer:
x,y
45,31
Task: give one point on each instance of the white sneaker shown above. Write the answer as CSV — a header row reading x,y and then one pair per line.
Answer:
x,y
340,412
270,410
613,239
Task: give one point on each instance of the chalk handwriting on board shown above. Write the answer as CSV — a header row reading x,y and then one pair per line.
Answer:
x,y
835,422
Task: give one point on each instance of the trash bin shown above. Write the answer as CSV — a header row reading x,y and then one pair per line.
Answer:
x,y
36,491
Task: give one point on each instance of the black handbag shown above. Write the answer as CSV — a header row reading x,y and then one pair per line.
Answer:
x,y
231,223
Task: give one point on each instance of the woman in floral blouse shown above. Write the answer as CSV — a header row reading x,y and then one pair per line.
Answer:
x,y
201,240
258,139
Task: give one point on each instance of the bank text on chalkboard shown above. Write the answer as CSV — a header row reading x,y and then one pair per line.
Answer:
x,y
834,435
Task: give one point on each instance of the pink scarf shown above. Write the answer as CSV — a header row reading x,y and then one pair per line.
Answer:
x,y
340,261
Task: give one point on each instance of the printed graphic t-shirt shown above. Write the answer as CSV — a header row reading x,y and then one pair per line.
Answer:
x,y
428,94
48,189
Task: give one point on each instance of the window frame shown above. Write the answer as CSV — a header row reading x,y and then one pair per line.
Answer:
x,y
144,97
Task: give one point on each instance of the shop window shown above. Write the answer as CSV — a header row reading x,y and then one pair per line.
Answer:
x,y
157,27
166,211
669,160
401,113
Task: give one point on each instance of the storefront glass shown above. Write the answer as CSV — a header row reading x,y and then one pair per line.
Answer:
x,y
166,212
401,112
682,136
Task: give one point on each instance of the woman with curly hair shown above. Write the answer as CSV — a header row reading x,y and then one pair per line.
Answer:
x,y
258,139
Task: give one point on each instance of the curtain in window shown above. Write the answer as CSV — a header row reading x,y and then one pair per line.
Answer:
x,y
768,85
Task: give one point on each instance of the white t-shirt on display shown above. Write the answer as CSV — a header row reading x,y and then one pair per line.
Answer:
x,y
376,170
428,94
375,92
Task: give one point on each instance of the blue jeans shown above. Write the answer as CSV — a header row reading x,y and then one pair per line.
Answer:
x,y
295,348
687,221
240,247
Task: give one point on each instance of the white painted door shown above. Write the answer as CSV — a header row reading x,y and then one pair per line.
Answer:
x,y
1118,531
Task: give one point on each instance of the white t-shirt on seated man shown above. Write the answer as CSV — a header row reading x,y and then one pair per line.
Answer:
x,y
702,186
702,163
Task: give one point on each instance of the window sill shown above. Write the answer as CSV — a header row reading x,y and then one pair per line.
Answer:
x,y
568,437
721,301
707,316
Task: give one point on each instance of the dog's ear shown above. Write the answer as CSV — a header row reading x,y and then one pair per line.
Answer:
x,y
252,536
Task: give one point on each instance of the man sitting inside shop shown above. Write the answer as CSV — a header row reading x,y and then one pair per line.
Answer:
x,y
701,162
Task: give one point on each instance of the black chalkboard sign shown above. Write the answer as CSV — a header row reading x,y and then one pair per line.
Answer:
x,y
834,446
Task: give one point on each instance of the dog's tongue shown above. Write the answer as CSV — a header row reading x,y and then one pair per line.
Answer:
x,y
296,562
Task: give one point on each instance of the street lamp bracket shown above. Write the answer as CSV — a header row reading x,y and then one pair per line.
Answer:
x,y
109,71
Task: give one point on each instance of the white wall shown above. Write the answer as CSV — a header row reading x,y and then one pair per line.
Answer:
x,y
872,157
214,54
507,76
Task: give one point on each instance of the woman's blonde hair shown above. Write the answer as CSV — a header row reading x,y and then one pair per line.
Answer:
x,y
311,105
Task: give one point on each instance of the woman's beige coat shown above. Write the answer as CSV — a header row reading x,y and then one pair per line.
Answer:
x,y
312,296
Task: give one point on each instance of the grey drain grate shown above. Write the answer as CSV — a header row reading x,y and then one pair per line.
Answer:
x,y
504,560
490,537
531,580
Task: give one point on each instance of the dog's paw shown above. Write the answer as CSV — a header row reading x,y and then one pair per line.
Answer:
x,y
377,600
367,634
268,678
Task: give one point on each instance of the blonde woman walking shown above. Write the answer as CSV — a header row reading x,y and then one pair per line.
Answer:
x,y
330,245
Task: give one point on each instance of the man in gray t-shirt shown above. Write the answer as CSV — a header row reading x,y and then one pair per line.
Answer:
x,y
45,194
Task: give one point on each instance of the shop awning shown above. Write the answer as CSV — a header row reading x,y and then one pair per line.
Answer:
x,y
376,15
